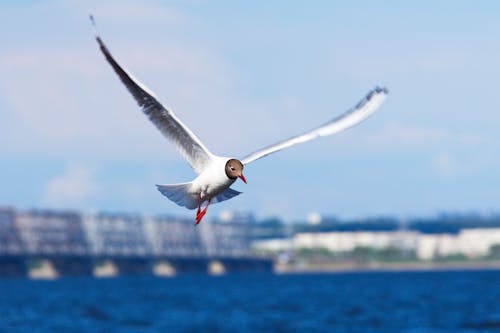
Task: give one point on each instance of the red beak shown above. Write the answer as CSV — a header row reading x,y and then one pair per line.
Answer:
x,y
243,179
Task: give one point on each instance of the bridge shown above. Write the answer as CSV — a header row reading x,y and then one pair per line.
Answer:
x,y
50,244
51,267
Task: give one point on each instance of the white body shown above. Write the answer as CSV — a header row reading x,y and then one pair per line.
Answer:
x,y
212,181
211,185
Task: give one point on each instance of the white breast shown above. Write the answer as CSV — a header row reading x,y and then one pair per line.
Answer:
x,y
213,180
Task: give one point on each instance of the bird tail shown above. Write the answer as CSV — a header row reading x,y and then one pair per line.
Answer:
x,y
179,193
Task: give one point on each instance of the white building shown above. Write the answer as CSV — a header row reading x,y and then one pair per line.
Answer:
x,y
471,243
478,242
348,241
222,239
10,240
51,232
175,237
117,234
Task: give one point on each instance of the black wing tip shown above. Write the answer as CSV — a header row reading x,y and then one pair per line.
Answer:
x,y
378,90
94,25
92,21
96,32
381,90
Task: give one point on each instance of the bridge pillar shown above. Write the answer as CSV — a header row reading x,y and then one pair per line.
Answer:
x,y
42,269
164,268
105,268
216,267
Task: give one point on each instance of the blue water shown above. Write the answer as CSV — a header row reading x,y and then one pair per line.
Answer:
x,y
349,302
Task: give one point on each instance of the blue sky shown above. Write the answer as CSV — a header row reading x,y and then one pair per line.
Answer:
x,y
243,75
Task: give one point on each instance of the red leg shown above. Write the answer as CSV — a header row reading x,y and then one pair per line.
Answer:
x,y
200,215
199,205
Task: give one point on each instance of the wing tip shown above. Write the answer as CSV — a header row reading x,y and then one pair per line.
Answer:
x,y
96,32
381,90
92,21
378,93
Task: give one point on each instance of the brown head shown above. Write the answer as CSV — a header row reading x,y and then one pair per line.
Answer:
x,y
234,169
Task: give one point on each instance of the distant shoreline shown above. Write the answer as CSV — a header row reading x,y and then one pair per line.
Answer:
x,y
386,267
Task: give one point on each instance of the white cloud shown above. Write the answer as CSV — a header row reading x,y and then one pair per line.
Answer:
x,y
72,188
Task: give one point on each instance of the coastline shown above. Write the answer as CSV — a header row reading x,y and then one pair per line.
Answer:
x,y
385,267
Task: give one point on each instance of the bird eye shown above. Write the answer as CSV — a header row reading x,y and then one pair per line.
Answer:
x,y
232,169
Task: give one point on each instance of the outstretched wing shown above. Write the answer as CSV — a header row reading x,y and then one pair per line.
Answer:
x,y
366,107
164,119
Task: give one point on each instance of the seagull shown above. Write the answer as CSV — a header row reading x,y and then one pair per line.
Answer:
x,y
215,174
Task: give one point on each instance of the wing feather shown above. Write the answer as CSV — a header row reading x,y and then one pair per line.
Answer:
x,y
366,107
164,119
226,195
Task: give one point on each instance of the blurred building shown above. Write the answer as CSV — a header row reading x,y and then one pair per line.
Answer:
x,y
175,237
51,232
10,240
225,239
117,234
348,241
471,243
104,234
240,217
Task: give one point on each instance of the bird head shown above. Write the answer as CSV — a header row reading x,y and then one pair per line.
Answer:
x,y
234,169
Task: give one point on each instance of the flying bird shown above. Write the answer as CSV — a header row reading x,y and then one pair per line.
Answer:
x,y
217,173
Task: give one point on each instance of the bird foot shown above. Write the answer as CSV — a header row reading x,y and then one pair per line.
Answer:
x,y
201,213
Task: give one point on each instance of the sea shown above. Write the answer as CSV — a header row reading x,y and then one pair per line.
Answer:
x,y
434,301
